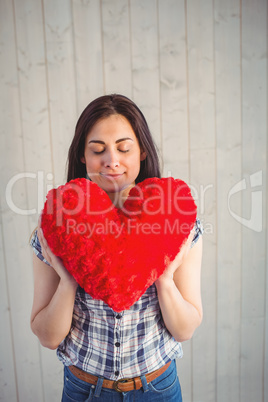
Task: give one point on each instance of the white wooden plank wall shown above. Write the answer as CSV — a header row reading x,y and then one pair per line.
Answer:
x,y
228,133
198,70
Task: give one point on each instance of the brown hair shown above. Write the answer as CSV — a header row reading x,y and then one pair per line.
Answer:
x,y
103,107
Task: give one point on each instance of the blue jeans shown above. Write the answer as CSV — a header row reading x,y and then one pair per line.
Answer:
x,y
165,388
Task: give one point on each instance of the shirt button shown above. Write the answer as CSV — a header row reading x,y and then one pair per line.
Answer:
x,y
116,373
118,316
117,344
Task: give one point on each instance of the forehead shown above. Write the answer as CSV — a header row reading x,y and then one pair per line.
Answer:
x,y
112,126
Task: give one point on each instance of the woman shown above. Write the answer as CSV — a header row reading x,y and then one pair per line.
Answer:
x,y
113,147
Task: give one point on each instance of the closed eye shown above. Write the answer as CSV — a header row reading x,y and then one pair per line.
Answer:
x,y
98,152
120,150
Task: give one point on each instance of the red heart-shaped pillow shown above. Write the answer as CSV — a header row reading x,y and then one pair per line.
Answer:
x,y
116,254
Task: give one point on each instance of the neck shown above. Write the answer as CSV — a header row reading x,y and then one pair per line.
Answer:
x,y
118,198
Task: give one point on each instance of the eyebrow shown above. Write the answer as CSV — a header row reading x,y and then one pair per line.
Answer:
x,y
117,141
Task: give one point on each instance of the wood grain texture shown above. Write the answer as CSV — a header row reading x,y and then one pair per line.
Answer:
x,y
202,140
116,47
8,381
173,88
229,154
87,27
254,163
58,27
145,62
15,225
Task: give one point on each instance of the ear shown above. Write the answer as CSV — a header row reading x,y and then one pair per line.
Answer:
x,y
82,159
143,156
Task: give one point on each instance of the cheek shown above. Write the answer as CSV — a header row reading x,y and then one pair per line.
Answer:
x,y
135,165
92,164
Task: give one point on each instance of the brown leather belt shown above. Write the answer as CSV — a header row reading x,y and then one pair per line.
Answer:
x,y
122,385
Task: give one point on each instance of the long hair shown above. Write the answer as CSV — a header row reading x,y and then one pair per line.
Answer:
x,y
104,107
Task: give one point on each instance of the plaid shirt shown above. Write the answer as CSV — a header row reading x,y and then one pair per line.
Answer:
x,y
117,345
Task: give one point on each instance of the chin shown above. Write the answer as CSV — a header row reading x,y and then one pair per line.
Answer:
x,y
112,190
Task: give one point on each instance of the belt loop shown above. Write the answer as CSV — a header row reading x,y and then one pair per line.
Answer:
x,y
135,379
144,383
98,387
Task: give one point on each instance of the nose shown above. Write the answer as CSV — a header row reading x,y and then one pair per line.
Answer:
x,y
111,161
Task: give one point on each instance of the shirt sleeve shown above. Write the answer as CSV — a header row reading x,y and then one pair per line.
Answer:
x,y
37,248
199,230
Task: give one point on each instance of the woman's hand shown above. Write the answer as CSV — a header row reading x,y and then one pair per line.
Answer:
x,y
51,258
174,265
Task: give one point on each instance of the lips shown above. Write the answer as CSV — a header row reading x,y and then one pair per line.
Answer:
x,y
111,176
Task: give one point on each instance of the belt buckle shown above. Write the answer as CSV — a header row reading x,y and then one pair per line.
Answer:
x,y
123,381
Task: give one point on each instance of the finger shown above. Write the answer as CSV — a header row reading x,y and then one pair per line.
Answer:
x,y
40,219
46,252
190,237
42,240
192,232
40,235
187,241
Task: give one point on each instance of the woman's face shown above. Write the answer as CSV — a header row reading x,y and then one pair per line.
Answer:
x,y
112,155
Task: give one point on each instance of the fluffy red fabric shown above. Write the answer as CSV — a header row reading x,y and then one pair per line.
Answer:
x,y
116,254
